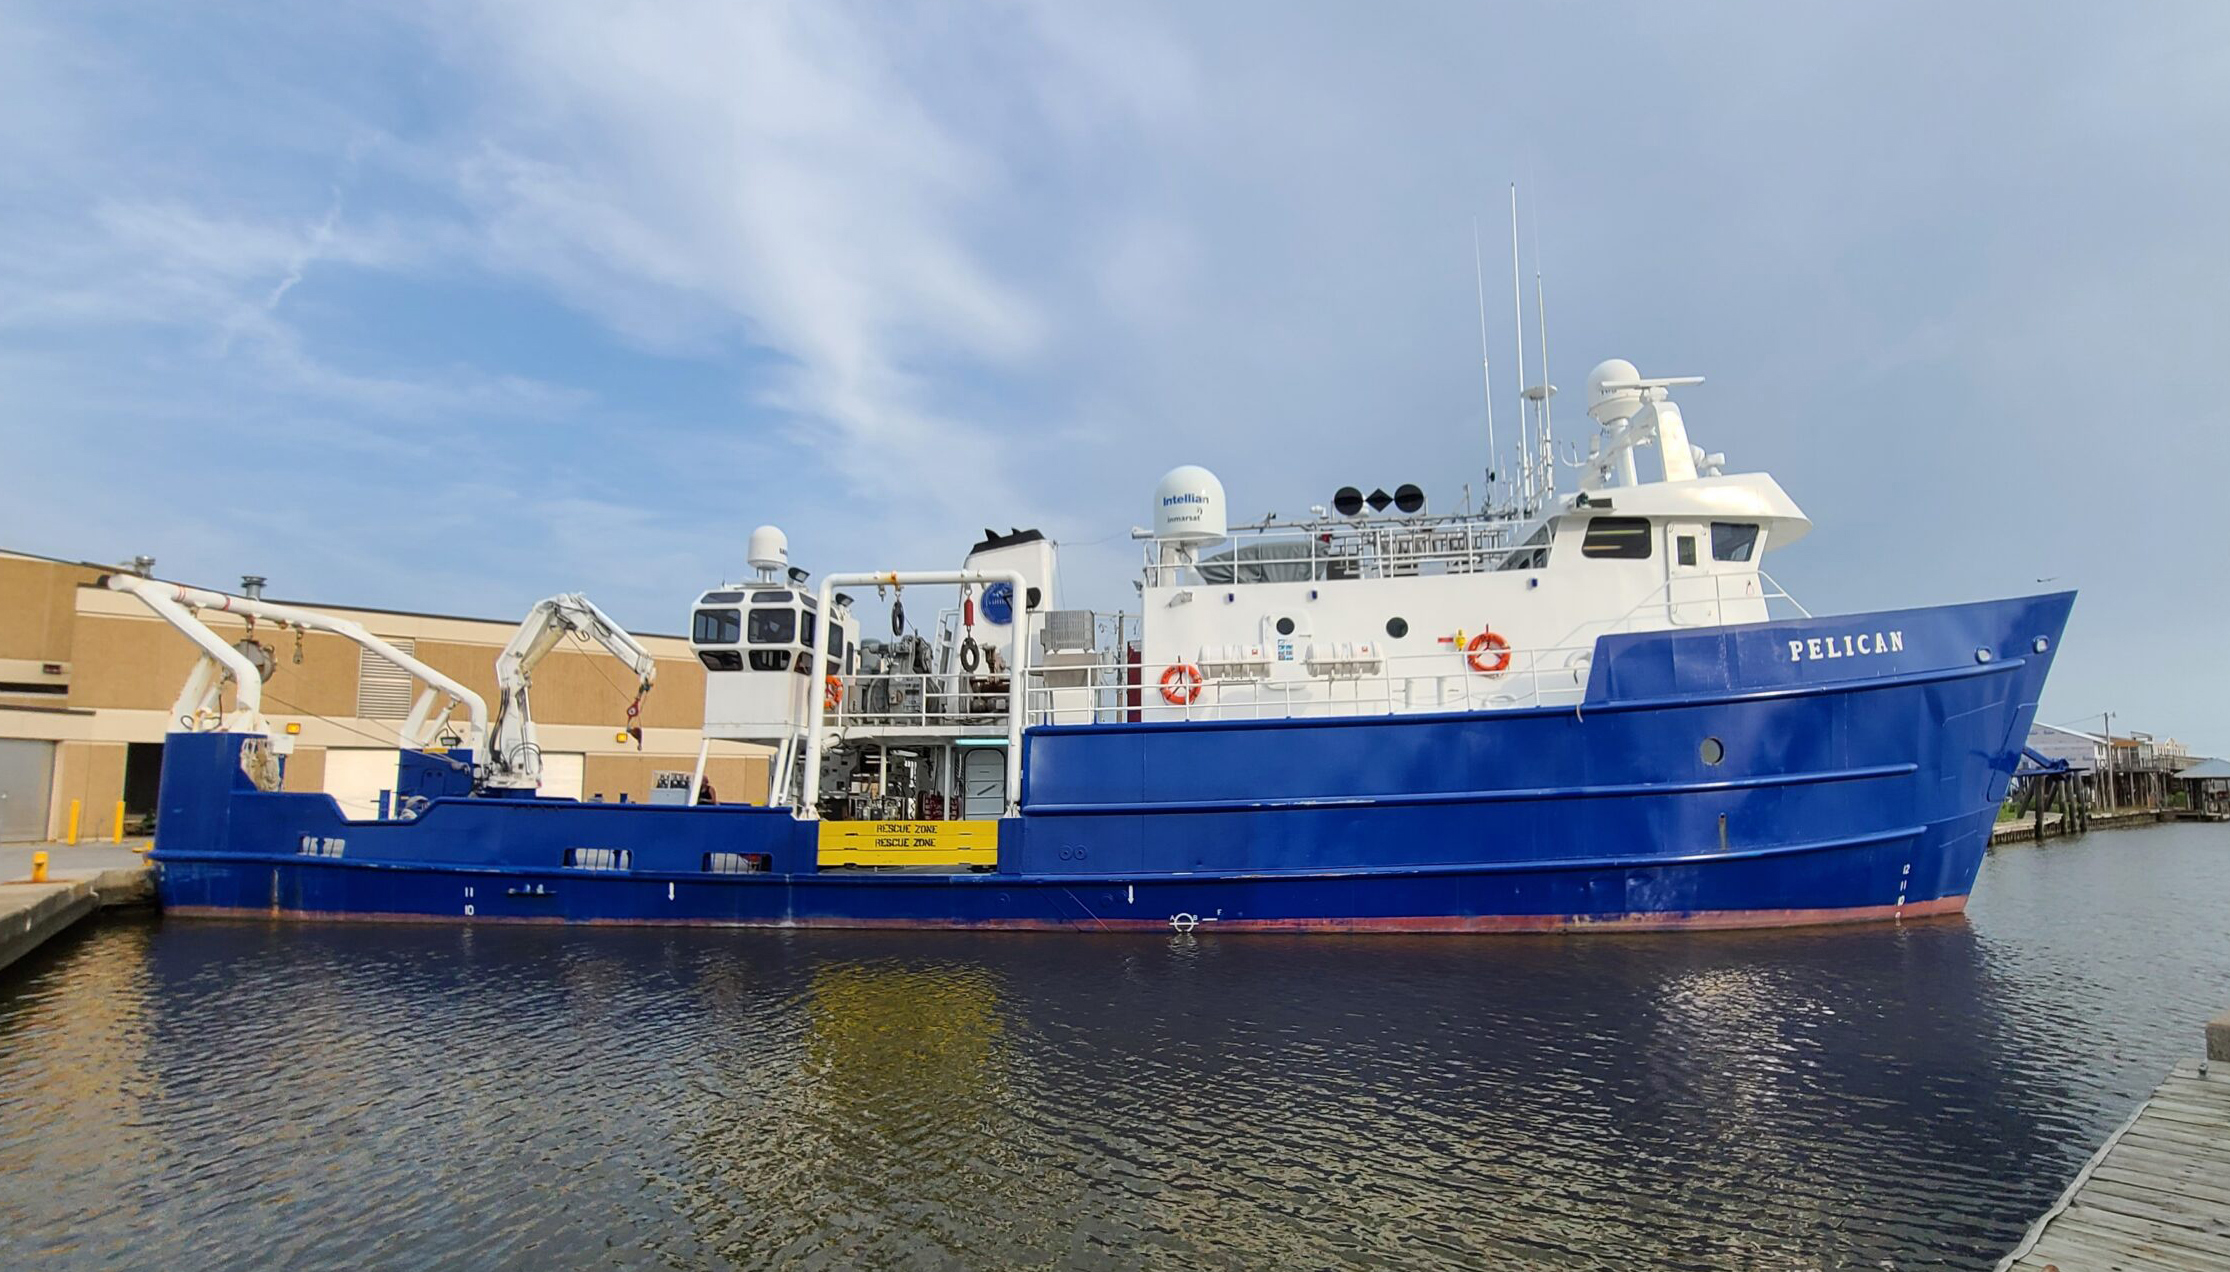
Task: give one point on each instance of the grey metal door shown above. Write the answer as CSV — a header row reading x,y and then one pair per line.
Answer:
x,y
26,777
983,782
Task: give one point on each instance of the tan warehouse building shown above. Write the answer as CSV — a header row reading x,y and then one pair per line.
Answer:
x,y
88,677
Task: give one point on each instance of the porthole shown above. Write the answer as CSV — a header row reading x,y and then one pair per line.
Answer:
x,y
1714,750
1285,627
1397,627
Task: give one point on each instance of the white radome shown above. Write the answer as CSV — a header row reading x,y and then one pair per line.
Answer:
x,y
1607,405
1189,507
768,549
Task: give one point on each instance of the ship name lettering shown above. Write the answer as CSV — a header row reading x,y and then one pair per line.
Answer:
x,y
1847,645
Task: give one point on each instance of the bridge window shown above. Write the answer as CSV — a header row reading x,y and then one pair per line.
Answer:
x,y
1733,540
716,627
721,659
770,660
774,626
1617,539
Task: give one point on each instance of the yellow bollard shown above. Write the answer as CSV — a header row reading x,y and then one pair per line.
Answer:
x,y
76,807
118,836
38,867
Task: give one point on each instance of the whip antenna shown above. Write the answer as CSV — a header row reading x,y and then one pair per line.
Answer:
x,y
1548,390
1486,368
1517,306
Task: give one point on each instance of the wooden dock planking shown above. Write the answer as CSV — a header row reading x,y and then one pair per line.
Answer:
x,y
2155,1197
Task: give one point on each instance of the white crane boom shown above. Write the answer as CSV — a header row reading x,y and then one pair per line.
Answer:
x,y
514,754
176,603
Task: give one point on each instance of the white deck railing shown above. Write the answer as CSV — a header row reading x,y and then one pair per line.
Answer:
x,y
1326,548
1105,689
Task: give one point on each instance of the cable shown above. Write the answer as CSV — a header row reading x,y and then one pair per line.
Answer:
x,y
396,741
598,664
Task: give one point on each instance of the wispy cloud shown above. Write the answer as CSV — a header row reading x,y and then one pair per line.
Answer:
x,y
818,180
606,285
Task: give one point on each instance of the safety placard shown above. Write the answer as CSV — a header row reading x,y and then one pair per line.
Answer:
x,y
900,843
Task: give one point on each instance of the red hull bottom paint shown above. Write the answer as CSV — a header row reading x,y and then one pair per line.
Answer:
x,y
1497,924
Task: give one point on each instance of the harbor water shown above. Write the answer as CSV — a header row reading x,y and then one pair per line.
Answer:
x,y
194,1094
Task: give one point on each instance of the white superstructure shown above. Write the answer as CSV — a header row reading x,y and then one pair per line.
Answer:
x,y
1376,606
1409,611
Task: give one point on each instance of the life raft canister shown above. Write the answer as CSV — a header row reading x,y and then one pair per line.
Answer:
x,y
1180,685
1488,654
832,692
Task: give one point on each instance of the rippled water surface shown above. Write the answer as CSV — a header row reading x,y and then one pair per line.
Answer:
x,y
196,1094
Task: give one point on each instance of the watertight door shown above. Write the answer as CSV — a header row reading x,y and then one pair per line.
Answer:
x,y
983,782
1691,592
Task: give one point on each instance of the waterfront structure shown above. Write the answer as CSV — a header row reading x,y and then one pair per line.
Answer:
x,y
2116,772
2151,1196
1566,710
88,678
2205,787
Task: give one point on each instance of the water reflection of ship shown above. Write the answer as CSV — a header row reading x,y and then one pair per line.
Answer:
x,y
1720,1101
1631,1092
890,1130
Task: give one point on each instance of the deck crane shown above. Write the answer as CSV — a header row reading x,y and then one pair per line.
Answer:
x,y
515,757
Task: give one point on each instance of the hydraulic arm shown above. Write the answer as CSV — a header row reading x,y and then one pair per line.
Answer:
x,y
514,753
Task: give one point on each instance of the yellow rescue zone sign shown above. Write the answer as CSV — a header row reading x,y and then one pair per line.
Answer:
x,y
953,843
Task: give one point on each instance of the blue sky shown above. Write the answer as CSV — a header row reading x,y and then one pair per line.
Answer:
x,y
450,306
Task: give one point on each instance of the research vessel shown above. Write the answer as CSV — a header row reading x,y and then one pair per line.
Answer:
x,y
1584,709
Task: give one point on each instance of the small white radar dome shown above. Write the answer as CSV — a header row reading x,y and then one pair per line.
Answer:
x,y
768,550
1189,507
1609,405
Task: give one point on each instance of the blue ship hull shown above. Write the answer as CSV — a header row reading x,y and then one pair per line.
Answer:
x,y
1810,771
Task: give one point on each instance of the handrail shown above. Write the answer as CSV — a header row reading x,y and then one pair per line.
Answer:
x,y
1374,548
1660,597
1098,691
1017,666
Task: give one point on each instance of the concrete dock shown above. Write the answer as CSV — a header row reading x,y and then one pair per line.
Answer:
x,y
80,880
2157,1194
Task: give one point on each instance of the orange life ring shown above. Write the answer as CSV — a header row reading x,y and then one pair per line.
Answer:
x,y
832,692
1180,685
1488,654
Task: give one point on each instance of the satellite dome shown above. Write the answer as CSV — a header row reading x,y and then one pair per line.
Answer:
x,y
1189,507
1608,405
768,551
